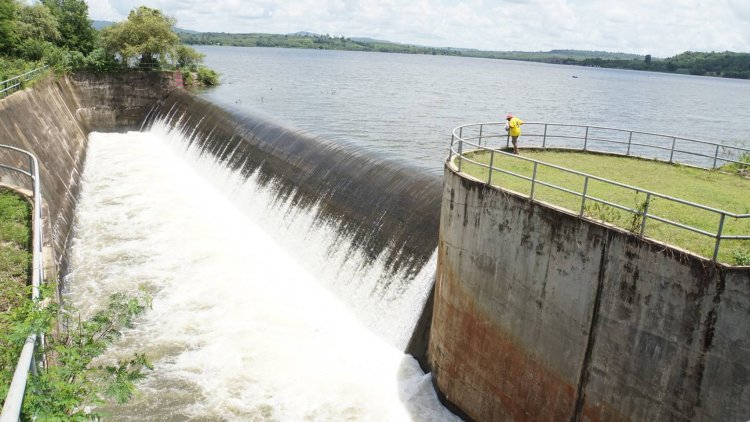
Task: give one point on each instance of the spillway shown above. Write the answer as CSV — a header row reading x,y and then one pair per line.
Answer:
x,y
276,293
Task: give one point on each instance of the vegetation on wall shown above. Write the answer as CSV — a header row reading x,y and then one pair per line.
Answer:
x,y
68,386
72,382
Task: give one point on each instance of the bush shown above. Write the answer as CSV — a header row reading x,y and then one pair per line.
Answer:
x,y
207,76
187,57
101,61
51,394
33,49
10,68
75,60
188,78
57,58
741,257
741,167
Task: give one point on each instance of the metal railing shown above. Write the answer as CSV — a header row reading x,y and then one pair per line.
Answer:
x,y
469,138
673,149
8,86
14,399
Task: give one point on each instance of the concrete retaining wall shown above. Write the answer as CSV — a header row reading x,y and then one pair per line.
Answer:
x,y
542,316
53,119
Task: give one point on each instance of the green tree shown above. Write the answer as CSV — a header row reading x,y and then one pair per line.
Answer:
x,y
37,29
76,31
37,22
8,37
147,35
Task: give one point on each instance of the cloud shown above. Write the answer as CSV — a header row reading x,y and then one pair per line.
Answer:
x,y
662,28
103,10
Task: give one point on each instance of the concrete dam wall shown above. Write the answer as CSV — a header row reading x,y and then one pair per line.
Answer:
x,y
542,316
52,120
384,209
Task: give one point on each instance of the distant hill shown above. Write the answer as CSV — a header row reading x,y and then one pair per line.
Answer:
x,y
99,25
587,54
304,34
367,39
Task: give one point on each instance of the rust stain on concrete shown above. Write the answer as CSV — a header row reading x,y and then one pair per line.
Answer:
x,y
480,369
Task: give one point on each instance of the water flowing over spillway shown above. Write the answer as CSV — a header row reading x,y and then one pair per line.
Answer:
x,y
262,309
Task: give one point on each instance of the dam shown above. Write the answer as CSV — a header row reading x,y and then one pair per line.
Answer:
x,y
240,327
206,182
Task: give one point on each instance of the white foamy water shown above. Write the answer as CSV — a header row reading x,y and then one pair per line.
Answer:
x,y
241,328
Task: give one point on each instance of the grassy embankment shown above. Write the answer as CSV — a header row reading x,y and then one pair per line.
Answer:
x,y
51,394
15,267
726,191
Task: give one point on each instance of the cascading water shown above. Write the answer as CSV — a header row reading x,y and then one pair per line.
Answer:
x,y
264,307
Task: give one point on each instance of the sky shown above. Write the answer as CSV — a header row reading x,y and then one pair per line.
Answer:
x,y
662,28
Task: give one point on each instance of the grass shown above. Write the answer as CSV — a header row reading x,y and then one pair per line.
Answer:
x,y
15,258
725,190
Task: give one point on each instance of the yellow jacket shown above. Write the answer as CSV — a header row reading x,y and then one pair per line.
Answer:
x,y
514,125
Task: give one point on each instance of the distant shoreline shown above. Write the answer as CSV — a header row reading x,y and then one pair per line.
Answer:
x,y
724,64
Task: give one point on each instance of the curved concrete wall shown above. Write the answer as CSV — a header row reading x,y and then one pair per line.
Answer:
x,y
53,119
542,316
384,209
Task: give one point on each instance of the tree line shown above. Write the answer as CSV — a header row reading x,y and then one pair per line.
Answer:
x,y
723,64
60,34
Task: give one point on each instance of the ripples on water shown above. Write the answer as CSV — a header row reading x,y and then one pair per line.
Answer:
x,y
405,106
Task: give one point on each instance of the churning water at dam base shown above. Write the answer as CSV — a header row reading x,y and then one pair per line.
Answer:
x,y
261,311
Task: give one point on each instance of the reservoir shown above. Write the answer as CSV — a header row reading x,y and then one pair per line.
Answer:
x,y
405,106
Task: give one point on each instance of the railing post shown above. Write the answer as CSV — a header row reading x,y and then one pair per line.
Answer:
x,y
586,138
450,150
32,367
716,156
718,236
630,141
645,213
544,138
671,151
480,134
583,198
533,180
460,152
492,161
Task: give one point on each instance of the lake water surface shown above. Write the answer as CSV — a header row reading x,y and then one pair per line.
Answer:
x,y
405,106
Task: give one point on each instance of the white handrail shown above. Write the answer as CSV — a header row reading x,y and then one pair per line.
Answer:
x,y
14,400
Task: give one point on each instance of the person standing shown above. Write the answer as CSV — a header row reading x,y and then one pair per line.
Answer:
x,y
513,127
